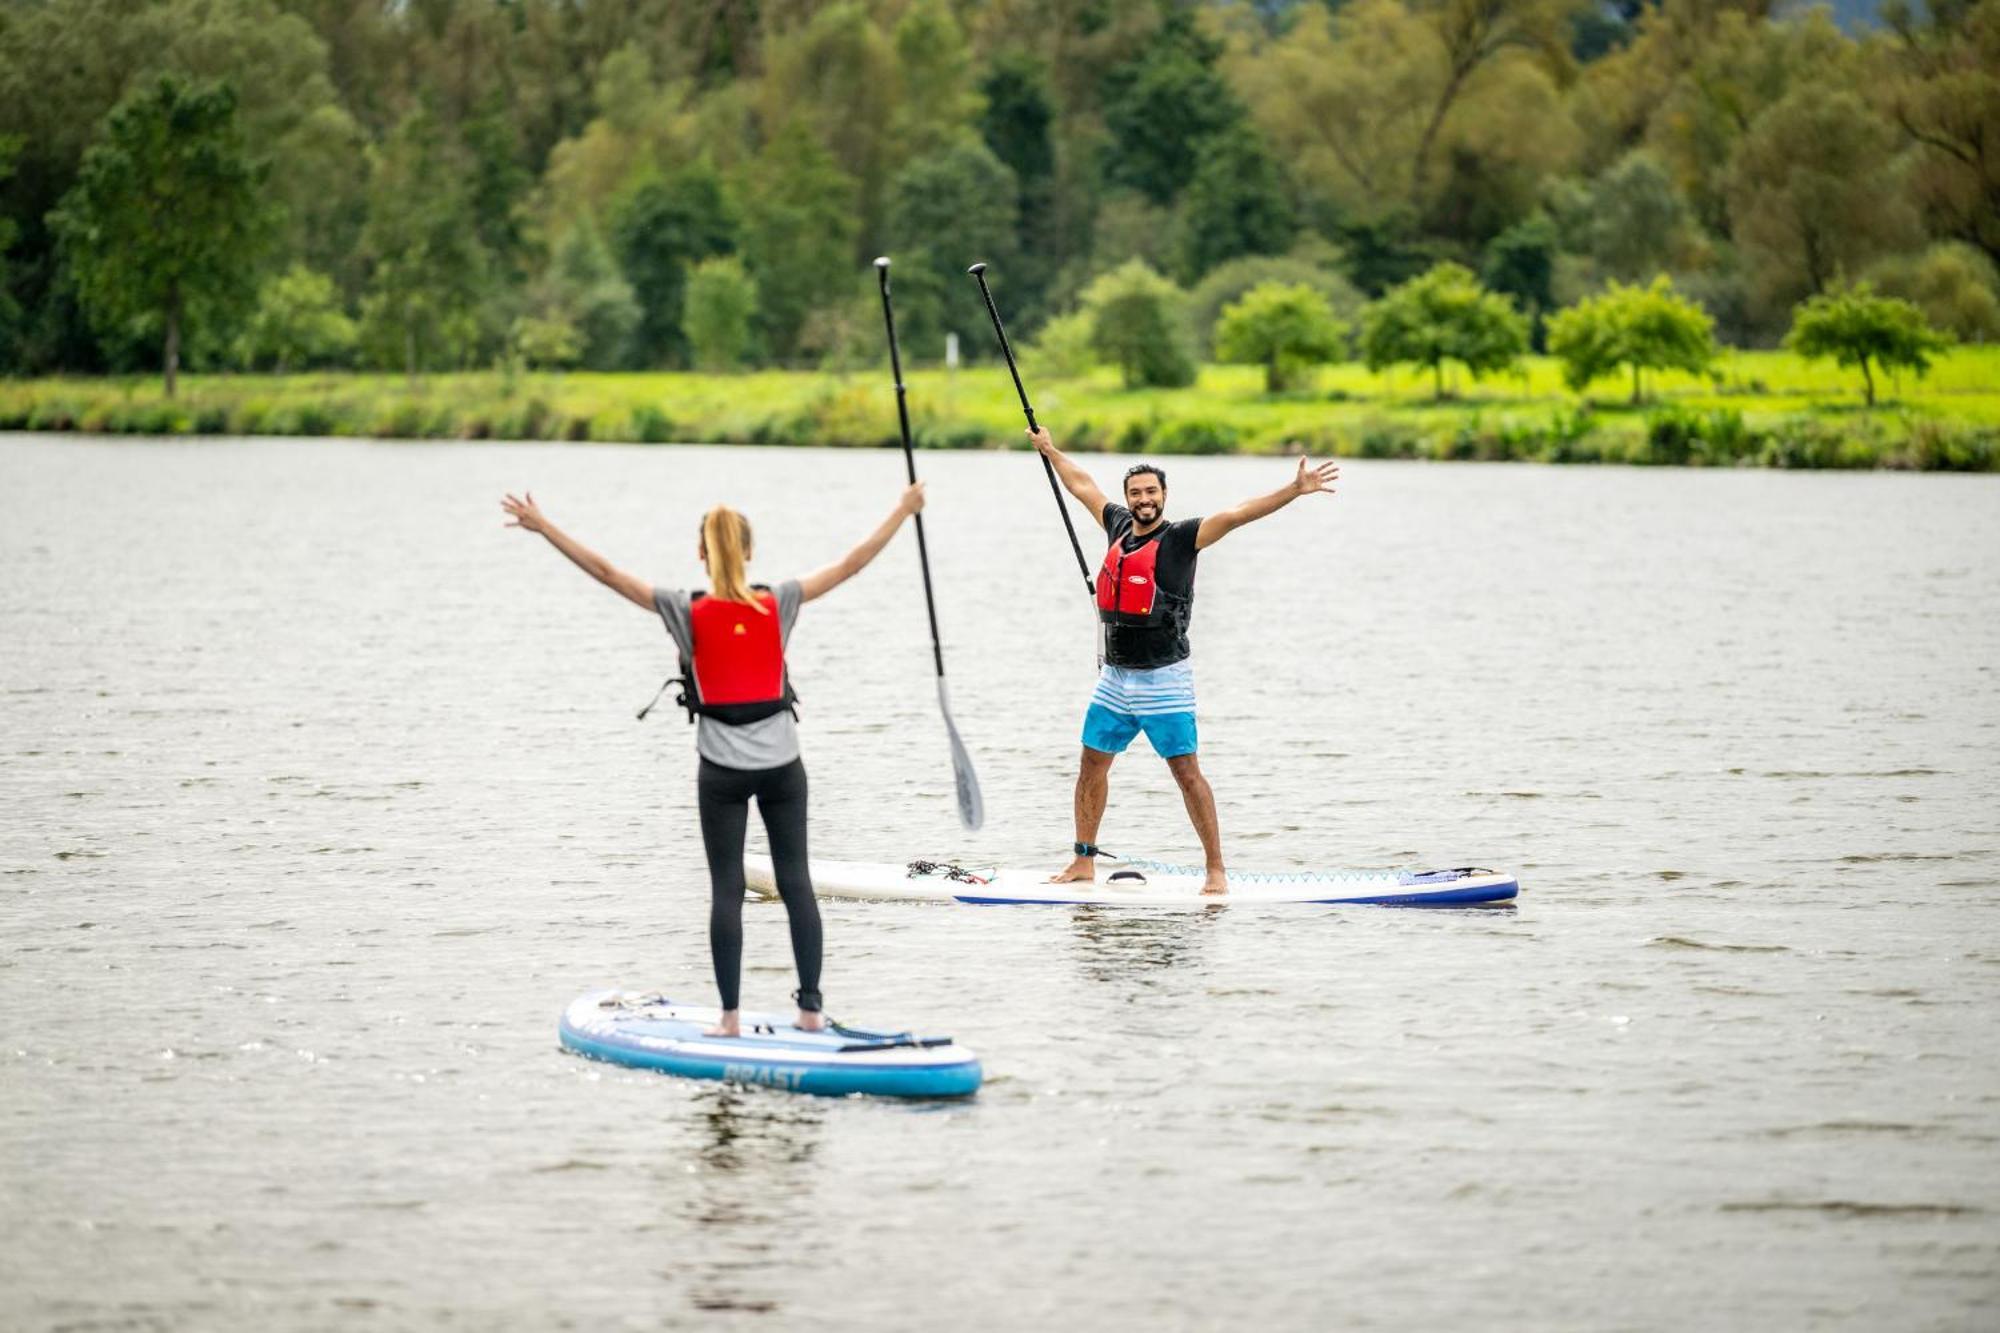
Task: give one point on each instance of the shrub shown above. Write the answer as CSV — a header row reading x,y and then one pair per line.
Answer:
x,y
297,322
1678,436
1194,436
1943,446
650,425
1138,323
1063,349
546,342
951,435
1808,442
52,414
721,302
1381,438
403,421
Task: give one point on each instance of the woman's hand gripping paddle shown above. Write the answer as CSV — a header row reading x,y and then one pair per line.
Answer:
x,y
971,806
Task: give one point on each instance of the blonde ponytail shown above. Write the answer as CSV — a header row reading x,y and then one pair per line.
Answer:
x,y
725,544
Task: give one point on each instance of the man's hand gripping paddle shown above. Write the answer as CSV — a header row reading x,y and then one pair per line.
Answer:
x,y
978,271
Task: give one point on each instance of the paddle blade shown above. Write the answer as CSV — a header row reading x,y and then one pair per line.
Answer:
x,y
971,805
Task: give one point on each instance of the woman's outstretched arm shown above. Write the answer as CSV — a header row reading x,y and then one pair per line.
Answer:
x,y
524,513
823,581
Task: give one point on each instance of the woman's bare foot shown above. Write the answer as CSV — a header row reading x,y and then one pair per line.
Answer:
x,y
1081,871
1216,882
809,1021
730,1026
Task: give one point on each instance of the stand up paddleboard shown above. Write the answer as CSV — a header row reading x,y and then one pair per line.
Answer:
x,y
1130,883
645,1030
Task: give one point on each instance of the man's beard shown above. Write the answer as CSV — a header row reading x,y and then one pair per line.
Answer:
x,y
1146,512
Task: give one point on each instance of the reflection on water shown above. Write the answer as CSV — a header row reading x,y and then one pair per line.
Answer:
x,y
1119,947
753,1204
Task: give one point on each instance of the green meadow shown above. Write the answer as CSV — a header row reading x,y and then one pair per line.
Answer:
x,y
1753,409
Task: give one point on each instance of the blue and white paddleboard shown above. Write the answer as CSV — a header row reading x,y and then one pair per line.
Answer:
x,y
1136,883
645,1030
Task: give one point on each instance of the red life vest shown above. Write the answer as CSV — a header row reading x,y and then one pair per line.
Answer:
x,y
1128,590
737,674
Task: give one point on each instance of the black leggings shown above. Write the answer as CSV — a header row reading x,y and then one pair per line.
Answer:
x,y
725,813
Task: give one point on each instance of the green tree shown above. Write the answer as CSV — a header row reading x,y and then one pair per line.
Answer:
x,y
583,290
298,322
1955,286
1635,219
1942,87
428,274
164,226
1449,110
1814,192
1645,328
721,302
10,311
1476,38
661,226
498,182
934,66
1228,283
798,234
946,207
1287,330
1139,324
836,73
1236,204
546,342
1017,116
1162,104
1521,265
1018,124
1857,328
1444,315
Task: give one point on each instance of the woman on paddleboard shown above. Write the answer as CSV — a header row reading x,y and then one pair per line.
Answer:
x,y
732,643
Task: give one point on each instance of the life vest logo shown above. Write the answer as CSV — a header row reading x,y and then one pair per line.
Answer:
x,y
1139,579
740,631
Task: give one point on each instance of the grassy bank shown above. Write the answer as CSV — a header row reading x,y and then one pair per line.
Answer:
x,y
1756,408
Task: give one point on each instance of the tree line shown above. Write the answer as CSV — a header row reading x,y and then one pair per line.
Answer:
x,y
661,183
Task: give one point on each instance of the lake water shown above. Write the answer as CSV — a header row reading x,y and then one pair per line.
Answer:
x,y
321,794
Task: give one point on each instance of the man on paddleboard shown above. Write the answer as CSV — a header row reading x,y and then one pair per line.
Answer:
x,y
1145,599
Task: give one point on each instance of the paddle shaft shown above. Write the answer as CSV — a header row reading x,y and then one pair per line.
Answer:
x,y
910,462
978,272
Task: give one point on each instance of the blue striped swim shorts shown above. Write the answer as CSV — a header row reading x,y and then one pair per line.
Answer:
x,y
1158,701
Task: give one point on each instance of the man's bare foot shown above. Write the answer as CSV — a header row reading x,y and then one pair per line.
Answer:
x,y
730,1026
810,1021
1217,882
1081,871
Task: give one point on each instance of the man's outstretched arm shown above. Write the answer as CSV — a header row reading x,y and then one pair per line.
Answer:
x,y
1074,479
1217,526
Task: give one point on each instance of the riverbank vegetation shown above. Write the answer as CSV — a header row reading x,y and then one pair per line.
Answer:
x,y
1749,408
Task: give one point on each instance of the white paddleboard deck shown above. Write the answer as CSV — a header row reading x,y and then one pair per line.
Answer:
x,y
1139,884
